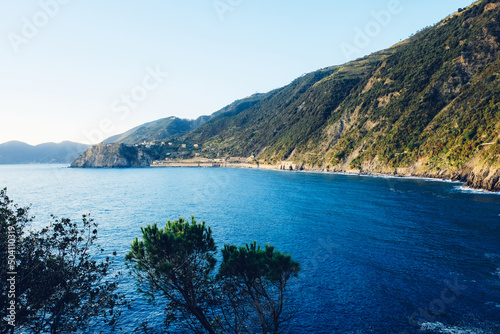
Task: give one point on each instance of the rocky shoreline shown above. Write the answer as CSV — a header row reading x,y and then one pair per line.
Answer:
x,y
474,175
486,178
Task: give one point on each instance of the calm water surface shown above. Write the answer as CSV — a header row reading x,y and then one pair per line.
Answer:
x,y
379,255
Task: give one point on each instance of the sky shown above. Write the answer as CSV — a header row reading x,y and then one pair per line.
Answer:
x,y
84,70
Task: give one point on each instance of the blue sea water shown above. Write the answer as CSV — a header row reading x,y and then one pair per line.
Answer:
x,y
378,255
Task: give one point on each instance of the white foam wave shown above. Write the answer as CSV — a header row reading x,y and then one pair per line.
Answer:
x,y
493,304
381,176
459,188
492,256
438,327
476,191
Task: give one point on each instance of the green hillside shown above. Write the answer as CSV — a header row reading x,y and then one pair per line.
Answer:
x,y
428,106
425,107
172,127
157,130
288,117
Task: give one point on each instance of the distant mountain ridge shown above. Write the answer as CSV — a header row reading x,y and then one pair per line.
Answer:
x,y
429,106
16,152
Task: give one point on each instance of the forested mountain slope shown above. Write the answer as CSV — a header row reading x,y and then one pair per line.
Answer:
x,y
428,106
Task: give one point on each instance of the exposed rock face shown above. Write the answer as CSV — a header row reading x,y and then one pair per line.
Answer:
x,y
112,156
485,178
428,107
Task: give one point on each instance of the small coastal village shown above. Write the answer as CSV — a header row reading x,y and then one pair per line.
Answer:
x,y
179,154
234,162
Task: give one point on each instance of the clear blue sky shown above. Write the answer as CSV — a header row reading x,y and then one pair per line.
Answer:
x,y
83,70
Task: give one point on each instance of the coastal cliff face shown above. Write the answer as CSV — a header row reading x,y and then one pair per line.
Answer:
x,y
112,156
486,178
429,106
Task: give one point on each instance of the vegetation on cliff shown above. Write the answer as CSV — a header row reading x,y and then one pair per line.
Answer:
x,y
429,106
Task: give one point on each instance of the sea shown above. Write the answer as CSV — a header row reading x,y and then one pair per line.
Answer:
x,y
378,254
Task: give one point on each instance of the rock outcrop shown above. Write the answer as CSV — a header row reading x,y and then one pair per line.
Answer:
x,y
428,106
112,156
486,178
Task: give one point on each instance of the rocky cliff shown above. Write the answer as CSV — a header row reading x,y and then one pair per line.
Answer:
x,y
112,156
429,106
